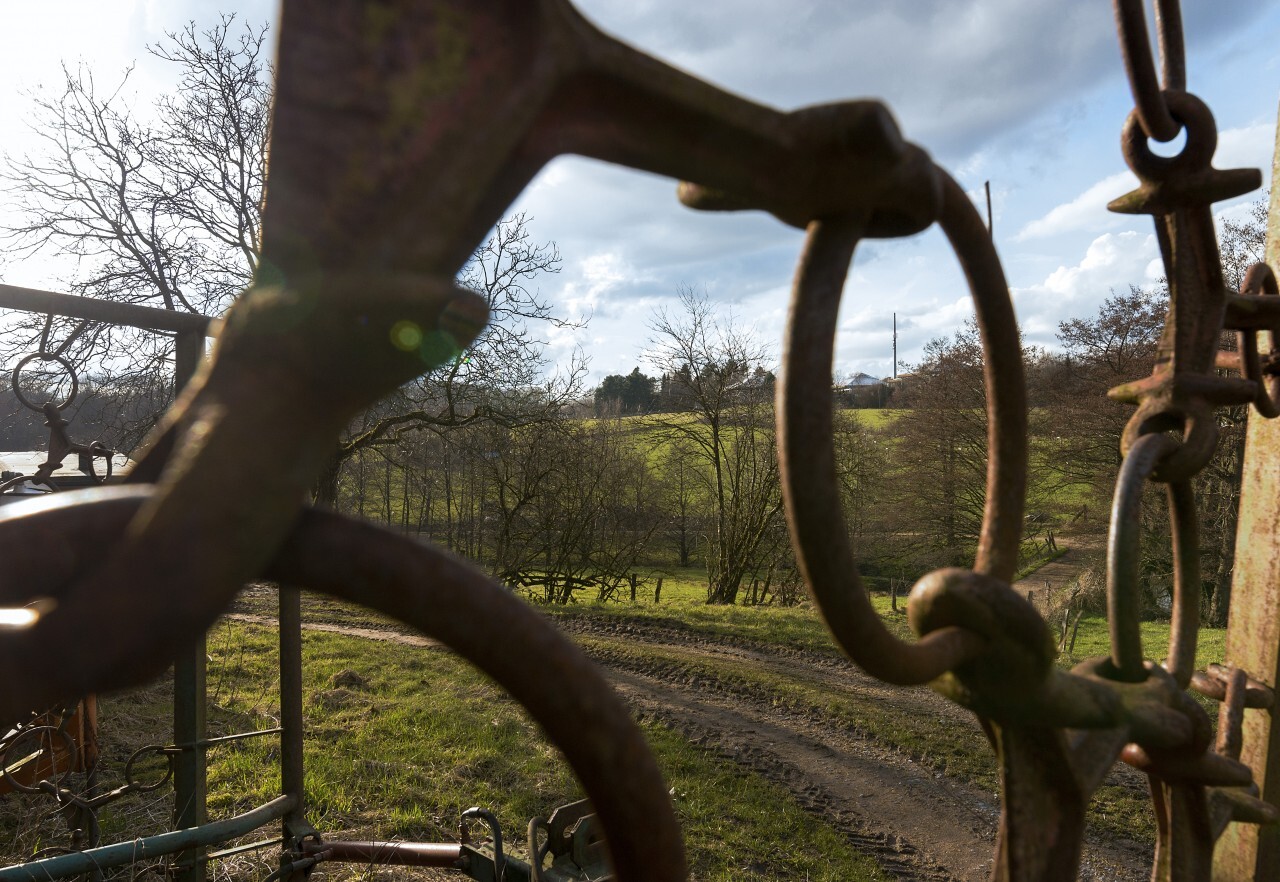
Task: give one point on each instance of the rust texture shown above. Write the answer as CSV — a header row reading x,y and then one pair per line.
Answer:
x,y
1253,631
1057,733
401,131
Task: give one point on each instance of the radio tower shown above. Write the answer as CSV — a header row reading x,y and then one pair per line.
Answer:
x,y
895,346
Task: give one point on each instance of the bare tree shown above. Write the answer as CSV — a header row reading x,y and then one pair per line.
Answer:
x,y
711,365
160,209
681,491
940,455
502,376
165,210
1114,346
862,468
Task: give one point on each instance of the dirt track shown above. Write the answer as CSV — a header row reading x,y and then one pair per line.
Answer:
x,y
918,823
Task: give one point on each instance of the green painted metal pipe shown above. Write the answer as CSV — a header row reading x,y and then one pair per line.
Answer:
x,y
123,853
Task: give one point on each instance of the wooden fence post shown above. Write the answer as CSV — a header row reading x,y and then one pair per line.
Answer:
x,y
1246,851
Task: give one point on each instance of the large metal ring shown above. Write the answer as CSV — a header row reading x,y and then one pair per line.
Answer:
x,y
94,450
136,786
17,386
1124,551
427,588
807,454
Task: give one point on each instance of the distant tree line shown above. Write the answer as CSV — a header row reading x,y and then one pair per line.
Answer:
x,y
557,492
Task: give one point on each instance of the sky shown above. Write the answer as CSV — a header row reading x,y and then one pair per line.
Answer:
x,y
1027,94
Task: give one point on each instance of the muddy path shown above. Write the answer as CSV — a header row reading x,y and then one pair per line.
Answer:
x,y
917,822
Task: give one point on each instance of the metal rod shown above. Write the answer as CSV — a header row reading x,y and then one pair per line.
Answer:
x,y
404,854
292,769
127,314
189,688
991,230
124,853
241,849
223,739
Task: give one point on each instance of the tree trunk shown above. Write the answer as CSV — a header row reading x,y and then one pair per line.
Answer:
x,y
327,485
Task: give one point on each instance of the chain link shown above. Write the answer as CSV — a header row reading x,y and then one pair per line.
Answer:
x,y
1149,92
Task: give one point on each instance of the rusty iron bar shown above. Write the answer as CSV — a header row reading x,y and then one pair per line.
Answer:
x,y
92,309
1231,715
1212,683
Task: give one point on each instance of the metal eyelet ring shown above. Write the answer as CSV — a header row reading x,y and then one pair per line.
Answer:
x,y
1197,153
13,758
139,787
96,449
1259,280
66,365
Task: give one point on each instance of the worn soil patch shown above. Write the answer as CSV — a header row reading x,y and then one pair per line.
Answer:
x,y
918,823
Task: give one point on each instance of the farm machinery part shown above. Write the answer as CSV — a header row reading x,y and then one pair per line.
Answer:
x,y
571,838
60,444
400,133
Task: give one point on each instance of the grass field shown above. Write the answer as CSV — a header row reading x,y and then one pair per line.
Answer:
x,y
400,740
424,724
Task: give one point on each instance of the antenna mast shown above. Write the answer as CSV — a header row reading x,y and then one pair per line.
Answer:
x,y
895,346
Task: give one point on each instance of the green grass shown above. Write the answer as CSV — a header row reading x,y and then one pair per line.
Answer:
x,y
875,418
427,737
684,605
1092,639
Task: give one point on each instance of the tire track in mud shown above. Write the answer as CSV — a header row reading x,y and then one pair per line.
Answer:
x,y
917,823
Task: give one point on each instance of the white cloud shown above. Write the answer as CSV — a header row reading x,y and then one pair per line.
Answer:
x,y
1247,147
1242,147
1088,211
593,279
1111,262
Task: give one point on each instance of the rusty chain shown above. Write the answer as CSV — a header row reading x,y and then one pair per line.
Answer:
x,y
988,649
390,156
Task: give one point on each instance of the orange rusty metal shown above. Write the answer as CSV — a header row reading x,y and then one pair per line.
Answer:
x,y
401,132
